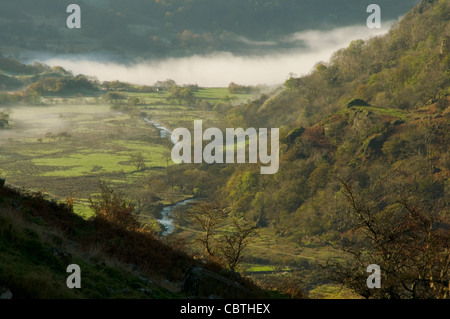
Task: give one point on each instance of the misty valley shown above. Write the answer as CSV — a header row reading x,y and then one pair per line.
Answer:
x,y
175,154
65,147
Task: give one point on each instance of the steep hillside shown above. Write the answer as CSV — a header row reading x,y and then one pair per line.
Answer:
x,y
373,120
406,69
40,238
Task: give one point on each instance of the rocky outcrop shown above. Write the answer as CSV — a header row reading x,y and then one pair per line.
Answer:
x,y
357,102
5,293
294,134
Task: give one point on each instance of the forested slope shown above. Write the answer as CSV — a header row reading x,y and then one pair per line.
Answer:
x,y
372,126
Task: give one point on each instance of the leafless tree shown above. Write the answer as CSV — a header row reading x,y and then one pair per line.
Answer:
x,y
207,216
411,247
233,243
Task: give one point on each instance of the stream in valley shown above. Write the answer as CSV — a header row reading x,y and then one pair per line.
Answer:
x,y
166,220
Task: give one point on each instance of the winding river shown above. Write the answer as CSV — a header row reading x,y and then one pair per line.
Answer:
x,y
167,216
163,131
166,220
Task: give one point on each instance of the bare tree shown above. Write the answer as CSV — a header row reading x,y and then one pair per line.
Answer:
x,y
411,247
138,161
224,240
208,216
233,243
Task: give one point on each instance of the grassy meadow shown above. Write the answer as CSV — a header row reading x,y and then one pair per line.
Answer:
x,y
66,147
65,150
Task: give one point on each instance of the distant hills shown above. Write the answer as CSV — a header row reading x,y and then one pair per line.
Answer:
x,y
161,28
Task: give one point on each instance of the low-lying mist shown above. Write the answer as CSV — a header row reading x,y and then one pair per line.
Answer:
x,y
221,68
31,122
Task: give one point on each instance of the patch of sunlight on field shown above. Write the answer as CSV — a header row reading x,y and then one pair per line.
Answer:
x,y
156,95
332,292
86,161
212,93
154,155
82,164
260,268
219,93
82,209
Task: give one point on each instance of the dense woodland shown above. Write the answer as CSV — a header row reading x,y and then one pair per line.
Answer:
x,y
364,154
364,151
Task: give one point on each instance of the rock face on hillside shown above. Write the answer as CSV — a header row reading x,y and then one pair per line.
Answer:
x,y
294,134
357,102
5,293
202,283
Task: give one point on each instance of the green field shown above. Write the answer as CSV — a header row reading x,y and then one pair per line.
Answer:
x,y
65,147
216,94
62,149
65,150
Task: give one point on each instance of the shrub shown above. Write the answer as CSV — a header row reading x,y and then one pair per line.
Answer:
x,y
111,205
